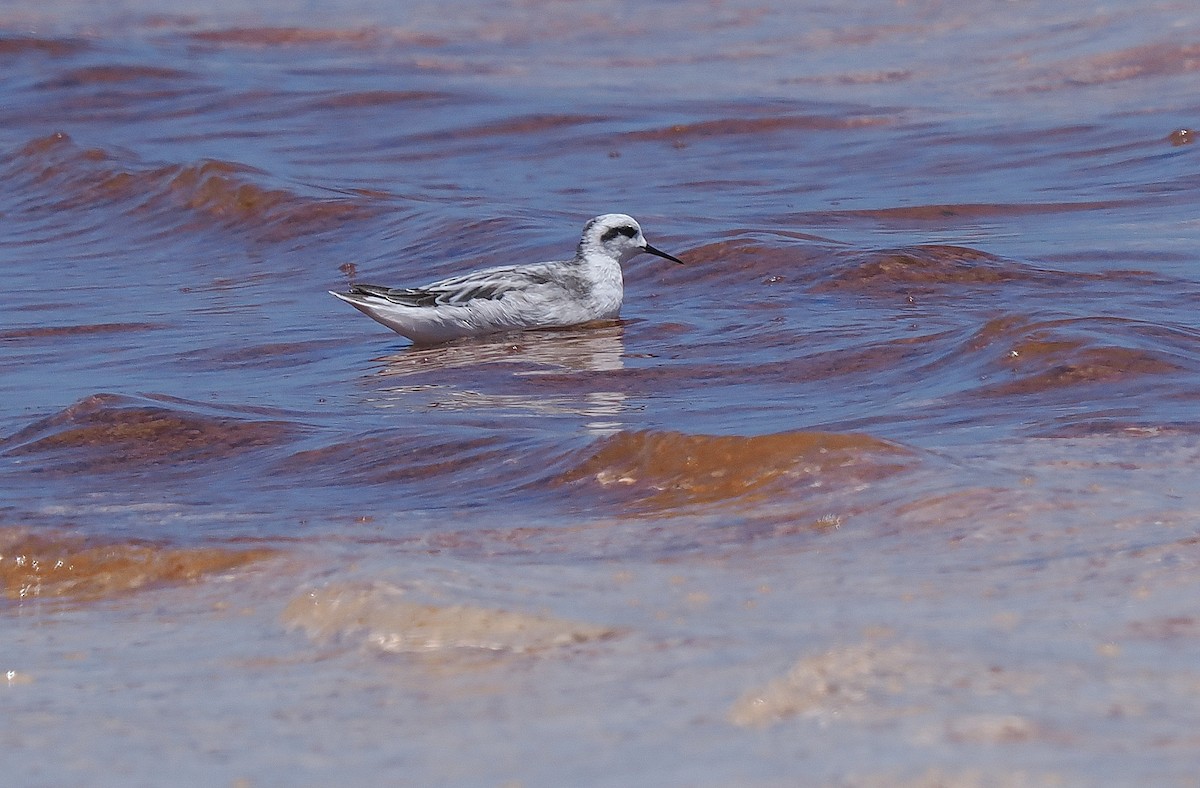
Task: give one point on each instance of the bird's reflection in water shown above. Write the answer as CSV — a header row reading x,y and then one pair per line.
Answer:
x,y
500,375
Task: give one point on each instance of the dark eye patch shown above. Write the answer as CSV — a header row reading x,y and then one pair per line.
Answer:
x,y
625,230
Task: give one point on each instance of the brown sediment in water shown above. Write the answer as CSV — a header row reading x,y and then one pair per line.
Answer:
x,y
929,268
361,37
923,214
925,266
111,74
1031,356
381,618
740,252
1047,366
47,565
738,260
54,332
218,191
1140,62
912,269
380,98
285,36
875,77
733,126
55,47
663,471
519,126
109,433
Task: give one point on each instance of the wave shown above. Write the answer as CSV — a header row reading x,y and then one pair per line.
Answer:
x,y
294,36
382,618
13,46
53,174
724,127
47,564
664,471
109,433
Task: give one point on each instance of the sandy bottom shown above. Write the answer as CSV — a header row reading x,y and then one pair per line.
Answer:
x,y
1036,630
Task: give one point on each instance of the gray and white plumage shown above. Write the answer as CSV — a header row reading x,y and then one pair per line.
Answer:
x,y
513,297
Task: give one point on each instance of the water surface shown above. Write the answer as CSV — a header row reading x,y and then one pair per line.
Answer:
x,y
892,483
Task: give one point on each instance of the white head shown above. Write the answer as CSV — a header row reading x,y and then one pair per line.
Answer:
x,y
617,236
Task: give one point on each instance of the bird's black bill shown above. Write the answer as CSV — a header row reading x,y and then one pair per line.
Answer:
x,y
662,254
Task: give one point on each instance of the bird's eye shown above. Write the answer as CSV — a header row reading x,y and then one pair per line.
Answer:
x,y
626,230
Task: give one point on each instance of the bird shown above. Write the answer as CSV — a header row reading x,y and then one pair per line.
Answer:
x,y
554,294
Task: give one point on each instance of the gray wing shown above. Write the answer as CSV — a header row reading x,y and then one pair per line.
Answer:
x,y
488,284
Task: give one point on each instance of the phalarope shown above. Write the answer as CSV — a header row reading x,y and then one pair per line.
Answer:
x,y
505,298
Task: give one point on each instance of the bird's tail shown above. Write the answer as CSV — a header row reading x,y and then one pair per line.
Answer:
x,y
369,290
361,294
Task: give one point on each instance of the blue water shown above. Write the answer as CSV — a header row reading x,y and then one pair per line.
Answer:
x,y
955,244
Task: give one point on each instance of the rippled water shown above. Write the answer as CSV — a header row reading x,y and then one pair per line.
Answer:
x,y
892,483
